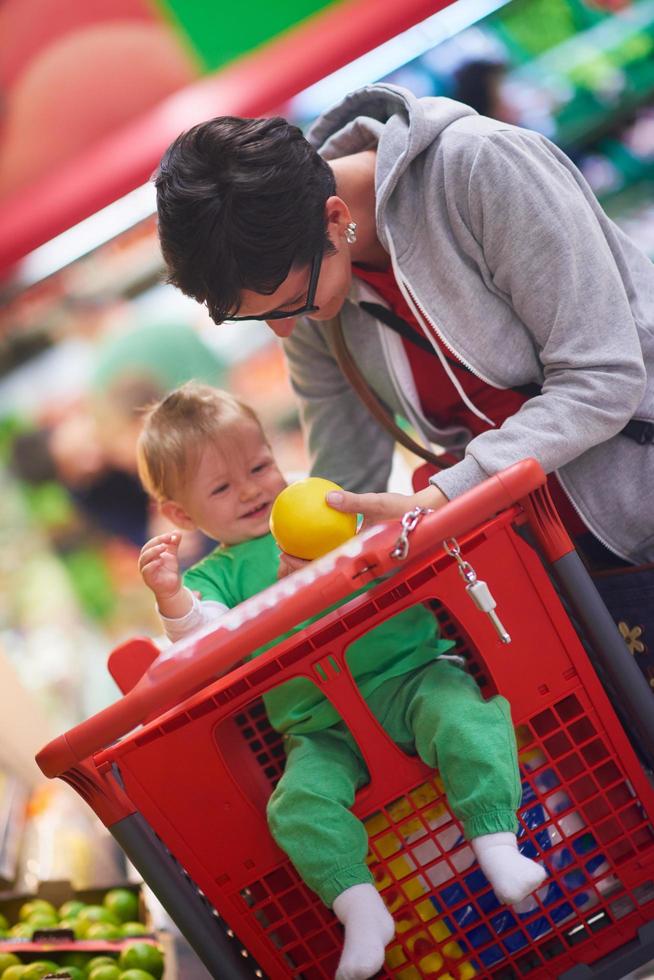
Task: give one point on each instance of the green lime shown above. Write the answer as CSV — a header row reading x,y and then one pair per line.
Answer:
x,y
73,972
37,970
97,913
13,972
142,956
27,910
41,920
76,958
7,960
105,973
123,904
96,961
133,929
103,930
22,930
4,925
67,924
71,909
136,975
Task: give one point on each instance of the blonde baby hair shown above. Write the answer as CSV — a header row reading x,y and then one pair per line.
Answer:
x,y
176,430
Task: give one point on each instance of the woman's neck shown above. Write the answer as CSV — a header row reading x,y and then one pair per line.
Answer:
x,y
355,184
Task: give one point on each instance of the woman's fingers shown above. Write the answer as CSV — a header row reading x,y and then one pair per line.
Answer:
x,y
377,507
374,506
288,564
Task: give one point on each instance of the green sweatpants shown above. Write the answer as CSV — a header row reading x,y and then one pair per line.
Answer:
x,y
437,712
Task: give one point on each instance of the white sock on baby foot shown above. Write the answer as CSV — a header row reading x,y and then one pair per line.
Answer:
x,y
512,875
368,930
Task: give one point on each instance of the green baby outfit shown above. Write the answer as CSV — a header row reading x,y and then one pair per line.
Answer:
x,y
427,706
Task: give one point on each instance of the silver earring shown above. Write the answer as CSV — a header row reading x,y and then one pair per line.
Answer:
x,y
351,233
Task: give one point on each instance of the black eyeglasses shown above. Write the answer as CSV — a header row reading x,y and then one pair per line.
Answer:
x,y
301,310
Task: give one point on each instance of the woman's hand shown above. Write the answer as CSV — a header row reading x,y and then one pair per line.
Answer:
x,y
288,564
377,507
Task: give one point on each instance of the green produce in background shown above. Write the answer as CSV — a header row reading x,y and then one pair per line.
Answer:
x,y
7,960
89,574
134,929
136,975
96,961
71,924
96,913
142,956
73,971
38,970
13,972
105,973
36,906
71,909
123,904
104,930
41,920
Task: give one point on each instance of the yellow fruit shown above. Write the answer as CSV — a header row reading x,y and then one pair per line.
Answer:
x,y
304,525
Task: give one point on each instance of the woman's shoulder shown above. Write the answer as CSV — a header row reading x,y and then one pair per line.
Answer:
x,y
462,141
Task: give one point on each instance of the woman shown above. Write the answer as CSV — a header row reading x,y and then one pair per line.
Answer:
x,y
532,314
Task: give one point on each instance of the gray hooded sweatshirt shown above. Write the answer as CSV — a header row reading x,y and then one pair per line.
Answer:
x,y
502,250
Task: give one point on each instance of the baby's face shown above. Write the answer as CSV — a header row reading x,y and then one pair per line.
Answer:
x,y
233,488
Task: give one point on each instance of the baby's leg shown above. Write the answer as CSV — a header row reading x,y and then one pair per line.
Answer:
x,y
472,742
368,930
309,817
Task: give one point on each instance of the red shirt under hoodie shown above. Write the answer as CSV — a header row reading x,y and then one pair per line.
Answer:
x,y
442,405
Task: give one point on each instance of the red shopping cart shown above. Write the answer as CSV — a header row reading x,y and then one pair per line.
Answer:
x,y
181,767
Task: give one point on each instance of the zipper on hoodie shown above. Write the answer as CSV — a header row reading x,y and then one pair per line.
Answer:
x,y
584,521
411,297
423,317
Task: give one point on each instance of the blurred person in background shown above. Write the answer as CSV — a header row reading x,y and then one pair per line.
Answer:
x,y
91,449
478,83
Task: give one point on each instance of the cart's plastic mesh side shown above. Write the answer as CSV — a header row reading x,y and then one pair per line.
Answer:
x,y
448,919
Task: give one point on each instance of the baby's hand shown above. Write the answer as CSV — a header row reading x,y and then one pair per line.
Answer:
x,y
159,566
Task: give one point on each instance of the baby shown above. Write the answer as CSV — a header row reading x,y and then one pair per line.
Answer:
x,y
205,460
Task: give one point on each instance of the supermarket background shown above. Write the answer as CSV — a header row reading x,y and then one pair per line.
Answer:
x,y
89,331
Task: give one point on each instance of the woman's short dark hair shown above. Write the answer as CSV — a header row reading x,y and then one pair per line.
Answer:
x,y
240,202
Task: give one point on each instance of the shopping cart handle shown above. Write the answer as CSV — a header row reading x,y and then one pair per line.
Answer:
x,y
193,663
